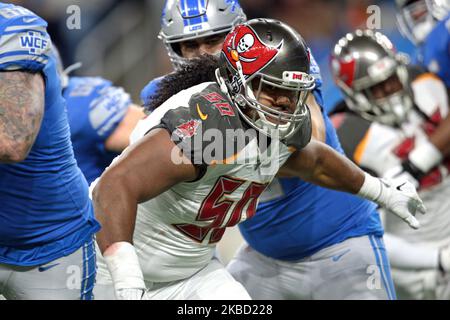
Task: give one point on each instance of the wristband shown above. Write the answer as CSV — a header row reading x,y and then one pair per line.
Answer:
x,y
371,188
123,264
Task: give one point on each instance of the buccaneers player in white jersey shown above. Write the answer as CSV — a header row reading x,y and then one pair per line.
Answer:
x,y
200,161
394,131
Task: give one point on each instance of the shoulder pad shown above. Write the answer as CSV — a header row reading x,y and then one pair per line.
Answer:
x,y
430,96
351,132
201,129
415,71
24,40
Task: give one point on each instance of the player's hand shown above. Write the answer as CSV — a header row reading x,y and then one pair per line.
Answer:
x,y
401,198
123,264
130,294
397,197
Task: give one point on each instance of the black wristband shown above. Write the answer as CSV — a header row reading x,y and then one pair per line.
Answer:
x,y
413,170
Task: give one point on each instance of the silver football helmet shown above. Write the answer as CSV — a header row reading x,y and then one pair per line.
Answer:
x,y
361,61
266,55
184,20
417,18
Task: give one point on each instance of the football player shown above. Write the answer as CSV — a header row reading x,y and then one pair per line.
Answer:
x,y
101,118
355,220
396,110
191,28
427,24
299,208
172,193
46,217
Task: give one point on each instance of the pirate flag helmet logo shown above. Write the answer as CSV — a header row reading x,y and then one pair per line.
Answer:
x,y
244,45
362,61
266,55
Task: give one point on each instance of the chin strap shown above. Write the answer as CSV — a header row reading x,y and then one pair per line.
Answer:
x,y
221,82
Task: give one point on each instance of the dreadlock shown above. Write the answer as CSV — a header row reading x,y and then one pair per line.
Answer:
x,y
196,71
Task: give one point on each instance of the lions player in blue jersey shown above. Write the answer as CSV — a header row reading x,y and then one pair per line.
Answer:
x,y
46,218
101,118
427,24
305,242
187,32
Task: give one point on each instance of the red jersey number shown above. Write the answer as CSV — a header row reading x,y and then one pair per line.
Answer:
x,y
215,208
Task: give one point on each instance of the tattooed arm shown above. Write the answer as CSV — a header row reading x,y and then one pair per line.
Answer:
x,y
21,111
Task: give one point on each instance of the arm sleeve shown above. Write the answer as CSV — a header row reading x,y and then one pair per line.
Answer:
x,y
24,42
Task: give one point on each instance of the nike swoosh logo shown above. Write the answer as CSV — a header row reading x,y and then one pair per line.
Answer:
x,y
338,256
400,186
29,20
45,268
201,114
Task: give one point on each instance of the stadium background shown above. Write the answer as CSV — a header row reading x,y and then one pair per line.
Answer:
x,y
118,38
118,41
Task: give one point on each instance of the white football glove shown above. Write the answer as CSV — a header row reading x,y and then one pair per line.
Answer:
x,y
397,197
123,265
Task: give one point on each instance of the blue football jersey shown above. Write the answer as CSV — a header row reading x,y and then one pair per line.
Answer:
x,y
45,210
314,70
150,90
296,219
95,108
434,52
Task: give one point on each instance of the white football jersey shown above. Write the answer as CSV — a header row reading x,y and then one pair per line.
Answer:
x,y
382,147
177,231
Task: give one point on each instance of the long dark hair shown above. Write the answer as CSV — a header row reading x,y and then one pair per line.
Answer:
x,y
197,71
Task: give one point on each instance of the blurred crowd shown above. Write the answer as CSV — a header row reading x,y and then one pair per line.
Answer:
x,y
118,38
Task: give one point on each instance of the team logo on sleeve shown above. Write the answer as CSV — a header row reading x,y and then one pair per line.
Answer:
x,y
244,45
187,129
34,42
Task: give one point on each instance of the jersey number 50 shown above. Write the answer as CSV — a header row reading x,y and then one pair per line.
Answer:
x,y
216,207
